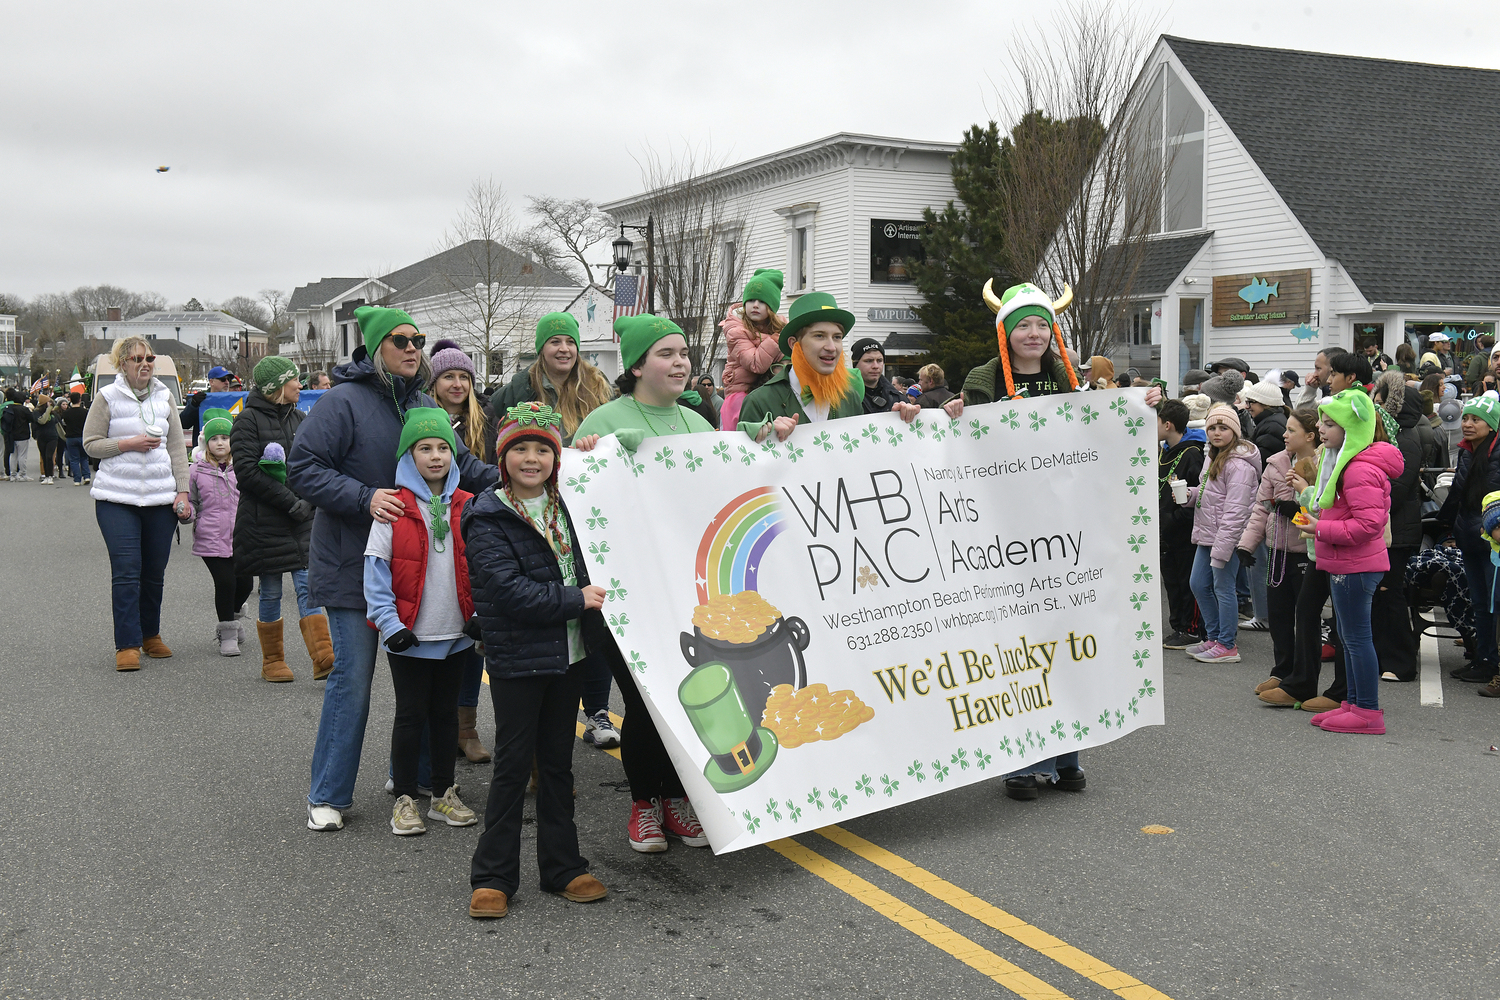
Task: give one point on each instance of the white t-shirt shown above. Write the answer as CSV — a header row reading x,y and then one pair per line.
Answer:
x,y
439,616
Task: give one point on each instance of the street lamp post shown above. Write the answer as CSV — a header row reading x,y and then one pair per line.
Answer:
x,y
623,246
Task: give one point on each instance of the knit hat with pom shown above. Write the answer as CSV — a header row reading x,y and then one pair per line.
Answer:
x,y
446,357
1223,388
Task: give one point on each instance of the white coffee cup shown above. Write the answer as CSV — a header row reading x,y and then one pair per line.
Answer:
x,y
154,430
1179,490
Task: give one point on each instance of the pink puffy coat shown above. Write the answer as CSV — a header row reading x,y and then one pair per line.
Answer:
x,y
215,496
1273,487
748,359
1351,534
1221,507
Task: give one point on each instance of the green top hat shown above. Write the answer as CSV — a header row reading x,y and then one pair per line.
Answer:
x,y
814,307
741,751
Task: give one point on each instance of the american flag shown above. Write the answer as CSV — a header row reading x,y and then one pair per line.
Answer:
x,y
41,385
631,294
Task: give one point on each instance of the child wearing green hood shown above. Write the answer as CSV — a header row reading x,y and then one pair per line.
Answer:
x,y
1348,532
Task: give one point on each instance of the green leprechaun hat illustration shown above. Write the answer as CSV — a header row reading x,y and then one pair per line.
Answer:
x,y
741,751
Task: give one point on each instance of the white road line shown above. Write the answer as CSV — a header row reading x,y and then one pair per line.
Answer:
x,y
1432,666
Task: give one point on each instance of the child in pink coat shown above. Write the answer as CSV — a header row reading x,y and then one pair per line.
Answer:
x,y
215,498
752,331
1353,495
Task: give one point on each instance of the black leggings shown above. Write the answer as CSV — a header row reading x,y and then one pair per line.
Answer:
x,y
648,767
426,695
230,591
1281,606
1308,660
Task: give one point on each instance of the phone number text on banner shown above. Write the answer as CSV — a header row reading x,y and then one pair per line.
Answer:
x,y
873,612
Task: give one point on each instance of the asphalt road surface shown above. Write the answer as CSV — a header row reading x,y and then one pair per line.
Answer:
x,y
154,845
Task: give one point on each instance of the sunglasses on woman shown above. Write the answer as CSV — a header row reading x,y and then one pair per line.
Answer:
x,y
138,360
401,340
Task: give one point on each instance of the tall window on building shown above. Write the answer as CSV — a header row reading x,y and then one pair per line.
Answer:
x,y
801,257
1170,139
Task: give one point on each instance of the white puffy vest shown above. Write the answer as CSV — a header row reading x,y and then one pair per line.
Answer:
x,y
138,478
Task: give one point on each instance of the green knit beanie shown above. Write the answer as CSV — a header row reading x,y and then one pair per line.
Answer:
x,y
215,422
1486,408
638,333
271,373
376,323
558,324
764,286
425,422
1354,411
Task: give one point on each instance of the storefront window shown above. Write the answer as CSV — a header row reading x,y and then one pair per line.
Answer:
x,y
1189,336
894,245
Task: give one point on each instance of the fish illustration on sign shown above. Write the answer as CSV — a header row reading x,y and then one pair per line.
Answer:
x,y
1259,290
1304,332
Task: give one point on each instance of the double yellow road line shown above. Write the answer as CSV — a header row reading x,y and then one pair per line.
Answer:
x,y
1007,974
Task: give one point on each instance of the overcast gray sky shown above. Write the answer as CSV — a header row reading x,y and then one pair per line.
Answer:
x,y
320,139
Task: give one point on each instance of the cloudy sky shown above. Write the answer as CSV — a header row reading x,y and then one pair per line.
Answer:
x,y
319,139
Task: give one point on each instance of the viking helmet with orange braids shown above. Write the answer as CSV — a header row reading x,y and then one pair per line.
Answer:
x,y
1020,301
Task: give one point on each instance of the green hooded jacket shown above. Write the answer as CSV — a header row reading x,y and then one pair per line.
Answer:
x,y
776,399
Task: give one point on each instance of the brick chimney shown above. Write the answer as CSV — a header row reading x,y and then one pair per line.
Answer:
x,y
112,314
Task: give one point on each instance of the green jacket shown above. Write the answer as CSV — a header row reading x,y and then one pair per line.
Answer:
x,y
984,386
776,399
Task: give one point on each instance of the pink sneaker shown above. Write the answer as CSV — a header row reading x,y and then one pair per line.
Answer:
x,y
679,820
1218,653
1198,647
1369,721
1318,719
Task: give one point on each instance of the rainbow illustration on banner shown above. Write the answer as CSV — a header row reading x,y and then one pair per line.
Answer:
x,y
735,542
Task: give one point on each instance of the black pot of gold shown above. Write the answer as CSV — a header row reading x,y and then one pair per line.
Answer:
x,y
749,636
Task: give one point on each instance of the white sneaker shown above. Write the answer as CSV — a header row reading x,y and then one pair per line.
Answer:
x,y
600,731
451,810
324,818
405,821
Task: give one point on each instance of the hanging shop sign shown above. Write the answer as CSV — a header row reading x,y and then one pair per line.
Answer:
x,y
893,316
894,245
877,612
1263,298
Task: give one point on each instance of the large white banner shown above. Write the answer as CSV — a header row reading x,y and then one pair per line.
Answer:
x,y
874,612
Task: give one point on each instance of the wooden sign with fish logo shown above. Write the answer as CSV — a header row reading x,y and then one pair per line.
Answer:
x,y
1263,298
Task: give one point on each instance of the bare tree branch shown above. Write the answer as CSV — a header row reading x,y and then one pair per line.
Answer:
x,y
565,229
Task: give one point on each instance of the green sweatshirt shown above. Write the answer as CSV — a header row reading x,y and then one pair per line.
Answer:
x,y
775,399
632,422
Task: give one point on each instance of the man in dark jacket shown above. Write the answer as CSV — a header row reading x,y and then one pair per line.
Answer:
x,y
343,461
869,357
1390,615
1181,458
220,379
934,385
15,421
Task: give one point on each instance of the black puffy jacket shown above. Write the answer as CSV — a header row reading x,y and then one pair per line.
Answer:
x,y
519,595
267,538
1406,497
1267,435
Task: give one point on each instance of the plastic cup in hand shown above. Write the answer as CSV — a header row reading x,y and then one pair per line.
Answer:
x,y
1179,490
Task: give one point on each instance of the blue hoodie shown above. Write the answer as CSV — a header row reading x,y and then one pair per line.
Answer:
x,y
343,452
380,599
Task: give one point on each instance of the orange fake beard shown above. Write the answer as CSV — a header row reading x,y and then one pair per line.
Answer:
x,y
827,390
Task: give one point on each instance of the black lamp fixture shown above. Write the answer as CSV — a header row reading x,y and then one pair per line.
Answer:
x,y
623,246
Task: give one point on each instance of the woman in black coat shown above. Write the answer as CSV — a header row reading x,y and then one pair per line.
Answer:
x,y
273,525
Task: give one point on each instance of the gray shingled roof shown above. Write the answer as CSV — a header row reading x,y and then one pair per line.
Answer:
x,y
1390,166
465,265
319,292
1162,261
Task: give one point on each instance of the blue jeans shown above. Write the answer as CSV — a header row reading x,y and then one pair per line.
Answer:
x,y
1351,594
596,678
139,540
1218,602
1481,575
270,596
346,709
468,688
1047,769
77,464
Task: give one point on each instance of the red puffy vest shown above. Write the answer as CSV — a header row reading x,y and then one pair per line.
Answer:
x,y
409,555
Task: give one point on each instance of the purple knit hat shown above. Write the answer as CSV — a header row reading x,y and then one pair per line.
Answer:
x,y
446,356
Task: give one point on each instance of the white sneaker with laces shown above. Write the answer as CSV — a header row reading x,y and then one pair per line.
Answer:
x,y
405,820
324,818
600,731
451,810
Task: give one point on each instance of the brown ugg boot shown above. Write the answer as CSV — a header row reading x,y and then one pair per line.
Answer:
x,y
320,646
155,648
128,659
468,736
273,657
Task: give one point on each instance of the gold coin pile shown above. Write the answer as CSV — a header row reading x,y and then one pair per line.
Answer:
x,y
812,713
738,618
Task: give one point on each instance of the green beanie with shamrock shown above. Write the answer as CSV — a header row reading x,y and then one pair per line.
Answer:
x,y
216,422
638,333
558,324
764,286
1354,411
425,422
376,323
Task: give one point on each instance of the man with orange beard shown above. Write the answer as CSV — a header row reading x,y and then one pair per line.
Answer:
x,y
819,384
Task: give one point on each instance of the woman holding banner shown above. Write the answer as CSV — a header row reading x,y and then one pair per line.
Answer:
x,y
1032,361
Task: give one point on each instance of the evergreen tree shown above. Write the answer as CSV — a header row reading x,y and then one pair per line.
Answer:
x,y
965,247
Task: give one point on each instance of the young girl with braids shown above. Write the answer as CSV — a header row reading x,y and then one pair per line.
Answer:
x,y
531,592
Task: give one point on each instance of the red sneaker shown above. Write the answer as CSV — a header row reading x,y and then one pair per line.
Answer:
x,y
645,827
1328,652
681,822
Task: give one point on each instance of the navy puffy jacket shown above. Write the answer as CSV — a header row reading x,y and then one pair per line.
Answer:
x,y
519,595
